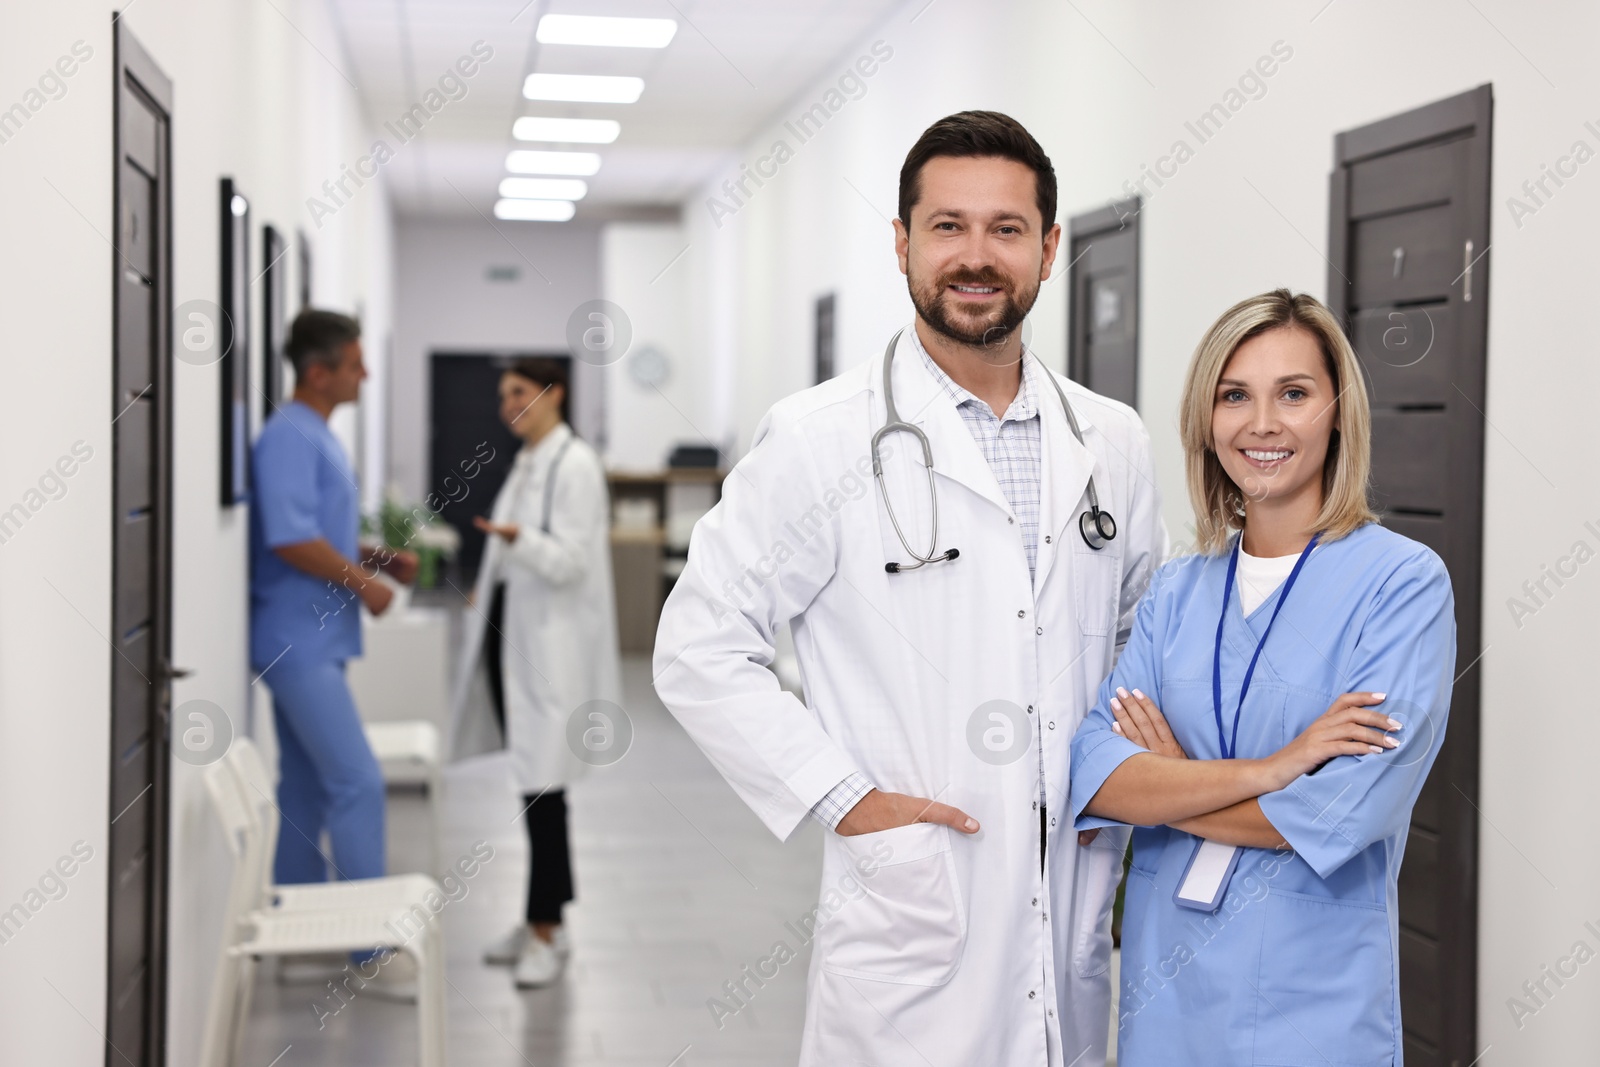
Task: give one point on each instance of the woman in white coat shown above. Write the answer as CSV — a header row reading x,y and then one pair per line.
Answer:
x,y
543,631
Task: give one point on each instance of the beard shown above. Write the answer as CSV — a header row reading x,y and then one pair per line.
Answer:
x,y
985,327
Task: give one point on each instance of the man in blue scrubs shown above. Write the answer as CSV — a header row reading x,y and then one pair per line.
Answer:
x,y
308,577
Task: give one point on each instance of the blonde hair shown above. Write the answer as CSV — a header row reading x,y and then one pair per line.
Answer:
x,y
1218,502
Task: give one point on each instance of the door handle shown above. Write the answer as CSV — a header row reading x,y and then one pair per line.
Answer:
x,y
1399,261
1466,274
174,673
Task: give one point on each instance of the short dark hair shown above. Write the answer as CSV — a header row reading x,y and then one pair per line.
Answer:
x,y
548,372
978,133
319,337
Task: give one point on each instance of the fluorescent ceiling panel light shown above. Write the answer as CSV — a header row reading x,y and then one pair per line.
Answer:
x,y
606,32
544,188
566,131
534,210
529,161
583,88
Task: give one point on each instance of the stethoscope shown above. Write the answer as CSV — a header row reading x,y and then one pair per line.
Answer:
x,y
1096,526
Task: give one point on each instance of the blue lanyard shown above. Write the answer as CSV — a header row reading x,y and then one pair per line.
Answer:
x,y
1230,747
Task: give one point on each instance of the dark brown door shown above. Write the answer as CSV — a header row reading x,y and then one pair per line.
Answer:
x,y
141,560
1103,316
1408,238
464,422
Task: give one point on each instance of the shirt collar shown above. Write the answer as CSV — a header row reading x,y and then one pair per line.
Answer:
x,y
1023,407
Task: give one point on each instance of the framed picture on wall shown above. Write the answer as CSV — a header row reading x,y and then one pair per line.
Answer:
x,y
824,337
274,285
234,232
303,254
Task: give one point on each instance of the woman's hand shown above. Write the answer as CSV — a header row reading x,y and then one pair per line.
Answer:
x,y
1140,721
1347,728
507,530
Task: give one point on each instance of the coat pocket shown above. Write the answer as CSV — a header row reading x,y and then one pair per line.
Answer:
x,y
1098,872
1097,583
1326,994
908,923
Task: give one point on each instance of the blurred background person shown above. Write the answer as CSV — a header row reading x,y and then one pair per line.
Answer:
x,y
308,578
543,628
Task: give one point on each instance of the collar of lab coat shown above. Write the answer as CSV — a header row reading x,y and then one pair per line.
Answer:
x,y
546,446
1066,465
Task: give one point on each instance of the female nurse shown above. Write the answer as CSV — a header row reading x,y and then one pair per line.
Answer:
x,y
1271,721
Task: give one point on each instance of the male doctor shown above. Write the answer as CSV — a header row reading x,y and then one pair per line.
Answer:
x,y
961,921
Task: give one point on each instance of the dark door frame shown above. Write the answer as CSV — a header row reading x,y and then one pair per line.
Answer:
x,y
137,73
1468,116
1116,216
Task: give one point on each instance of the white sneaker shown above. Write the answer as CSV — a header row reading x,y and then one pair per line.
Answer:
x,y
538,965
505,951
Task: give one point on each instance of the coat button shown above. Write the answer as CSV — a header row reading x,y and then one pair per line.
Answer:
x,y
1038,630
1047,539
1052,726
1032,993
1022,614
1010,521
1034,902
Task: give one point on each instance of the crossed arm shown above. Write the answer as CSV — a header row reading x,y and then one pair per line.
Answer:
x,y
1217,799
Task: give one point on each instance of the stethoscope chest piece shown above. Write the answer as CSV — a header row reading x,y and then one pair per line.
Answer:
x,y
1097,527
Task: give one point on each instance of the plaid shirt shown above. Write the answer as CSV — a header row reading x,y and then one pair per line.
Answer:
x,y
1012,445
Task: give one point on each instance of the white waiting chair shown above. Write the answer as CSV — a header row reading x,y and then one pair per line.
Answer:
x,y
412,753
266,920
256,786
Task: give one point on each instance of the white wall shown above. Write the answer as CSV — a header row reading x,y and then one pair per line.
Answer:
x,y
446,302
645,272
54,662
255,101
1106,87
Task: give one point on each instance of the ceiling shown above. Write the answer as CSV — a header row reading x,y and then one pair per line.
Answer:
x,y
731,67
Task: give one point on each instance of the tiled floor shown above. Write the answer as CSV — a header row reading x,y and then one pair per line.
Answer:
x,y
679,887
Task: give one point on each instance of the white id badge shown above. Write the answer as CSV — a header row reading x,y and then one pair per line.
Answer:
x,y
1206,877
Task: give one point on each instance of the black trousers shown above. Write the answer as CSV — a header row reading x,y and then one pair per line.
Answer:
x,y
549,858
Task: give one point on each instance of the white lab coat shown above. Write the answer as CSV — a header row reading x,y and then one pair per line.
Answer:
x,y
560,633
932,948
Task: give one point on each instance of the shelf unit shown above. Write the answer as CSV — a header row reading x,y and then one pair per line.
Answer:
x,y
644,562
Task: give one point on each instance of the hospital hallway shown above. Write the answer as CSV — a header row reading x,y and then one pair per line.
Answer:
x,y
530,527
678,890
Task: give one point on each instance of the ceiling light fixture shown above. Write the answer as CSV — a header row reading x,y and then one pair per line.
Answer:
x,y
583,88
529,161
605,31
534,210
544,188
566,131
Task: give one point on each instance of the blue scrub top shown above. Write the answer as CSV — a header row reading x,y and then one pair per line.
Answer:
x,y
303,489
1299,965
